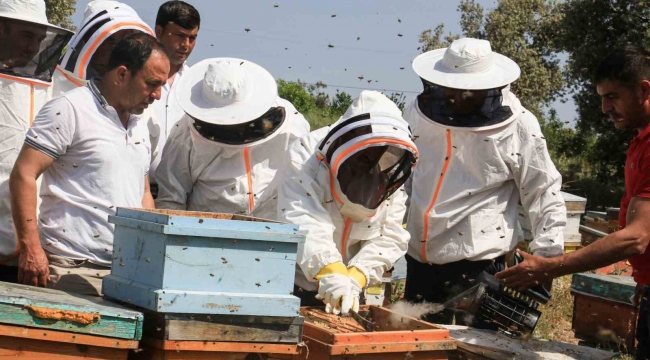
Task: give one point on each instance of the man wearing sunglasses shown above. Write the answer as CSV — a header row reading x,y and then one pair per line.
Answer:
x,y
482,155
343,187
223,154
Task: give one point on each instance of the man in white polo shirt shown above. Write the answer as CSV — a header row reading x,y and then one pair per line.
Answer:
x,y
177,27
94,155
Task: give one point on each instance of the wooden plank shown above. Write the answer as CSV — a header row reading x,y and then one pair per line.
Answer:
x,y
392,347
55,299
533,349
18,304
222,347
235,233
29,349
319,350
233,328
244,332
66,337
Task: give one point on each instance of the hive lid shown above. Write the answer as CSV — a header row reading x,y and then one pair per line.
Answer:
x,y
57,310
611,287
204,224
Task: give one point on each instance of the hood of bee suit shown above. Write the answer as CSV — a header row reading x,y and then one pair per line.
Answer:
x,y
369,153
101,20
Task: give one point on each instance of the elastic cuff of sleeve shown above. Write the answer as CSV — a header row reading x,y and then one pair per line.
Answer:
x,y
358,275
331,269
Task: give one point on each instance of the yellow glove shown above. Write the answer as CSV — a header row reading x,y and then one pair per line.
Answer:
x,y
335,288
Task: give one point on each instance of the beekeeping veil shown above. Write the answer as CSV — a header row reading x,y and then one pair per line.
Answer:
x,y
369,153
102,19
465,85
29,45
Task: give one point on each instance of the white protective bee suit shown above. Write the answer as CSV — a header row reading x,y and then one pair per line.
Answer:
x,y
102,19
24,86
464,194
201,172
344,237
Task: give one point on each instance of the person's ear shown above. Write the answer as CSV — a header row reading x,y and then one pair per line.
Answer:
x,y
122,75
643,91
159,31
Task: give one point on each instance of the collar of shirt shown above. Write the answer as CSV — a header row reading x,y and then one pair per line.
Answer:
x,y
643,134
179,74
111,110
98,95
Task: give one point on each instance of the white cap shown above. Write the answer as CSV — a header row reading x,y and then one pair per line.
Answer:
x,y
32,11
468,64
227,91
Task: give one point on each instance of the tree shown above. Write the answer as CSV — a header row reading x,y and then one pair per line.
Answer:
x,y
399,99
59,12
433,39
521,30
602,25
341,103
295,93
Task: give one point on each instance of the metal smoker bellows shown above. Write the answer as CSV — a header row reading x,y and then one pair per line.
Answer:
x,y
499,308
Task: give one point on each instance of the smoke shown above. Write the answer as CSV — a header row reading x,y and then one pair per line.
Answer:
x,y
404,308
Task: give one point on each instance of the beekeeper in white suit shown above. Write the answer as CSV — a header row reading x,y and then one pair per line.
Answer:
x,y
223,154
105,23
29,50
481,154
343,188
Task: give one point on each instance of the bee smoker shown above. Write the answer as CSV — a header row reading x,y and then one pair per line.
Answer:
x,y
496,307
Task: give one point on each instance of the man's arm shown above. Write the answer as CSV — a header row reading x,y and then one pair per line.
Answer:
x,y
33,267
147,199
631,241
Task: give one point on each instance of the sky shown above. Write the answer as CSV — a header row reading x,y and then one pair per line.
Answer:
x,y
292,41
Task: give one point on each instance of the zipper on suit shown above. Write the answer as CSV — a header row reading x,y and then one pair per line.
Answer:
x,y
345,236
249,176
32,104
425,233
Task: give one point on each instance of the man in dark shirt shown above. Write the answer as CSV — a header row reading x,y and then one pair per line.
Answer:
x,y
623,82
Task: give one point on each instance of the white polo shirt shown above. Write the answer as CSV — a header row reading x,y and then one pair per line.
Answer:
x,y
168,112
98,166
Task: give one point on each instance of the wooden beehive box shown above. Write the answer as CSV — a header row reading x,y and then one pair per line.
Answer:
x,y
203,263
603,311
37,323
396,337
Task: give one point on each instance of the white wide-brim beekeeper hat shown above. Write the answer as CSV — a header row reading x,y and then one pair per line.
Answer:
x,y
468,64
32,11
227,91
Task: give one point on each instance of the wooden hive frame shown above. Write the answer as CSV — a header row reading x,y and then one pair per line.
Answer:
x,y
417,338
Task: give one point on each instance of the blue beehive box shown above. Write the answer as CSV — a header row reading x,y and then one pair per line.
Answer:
x,y
203,263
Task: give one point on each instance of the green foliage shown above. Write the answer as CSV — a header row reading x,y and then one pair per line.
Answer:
x,y
520,30
59,12
316,106
433,39
602,26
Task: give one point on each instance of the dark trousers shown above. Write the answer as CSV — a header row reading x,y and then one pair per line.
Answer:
x,y
307,298
9,274
439,283
643,327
